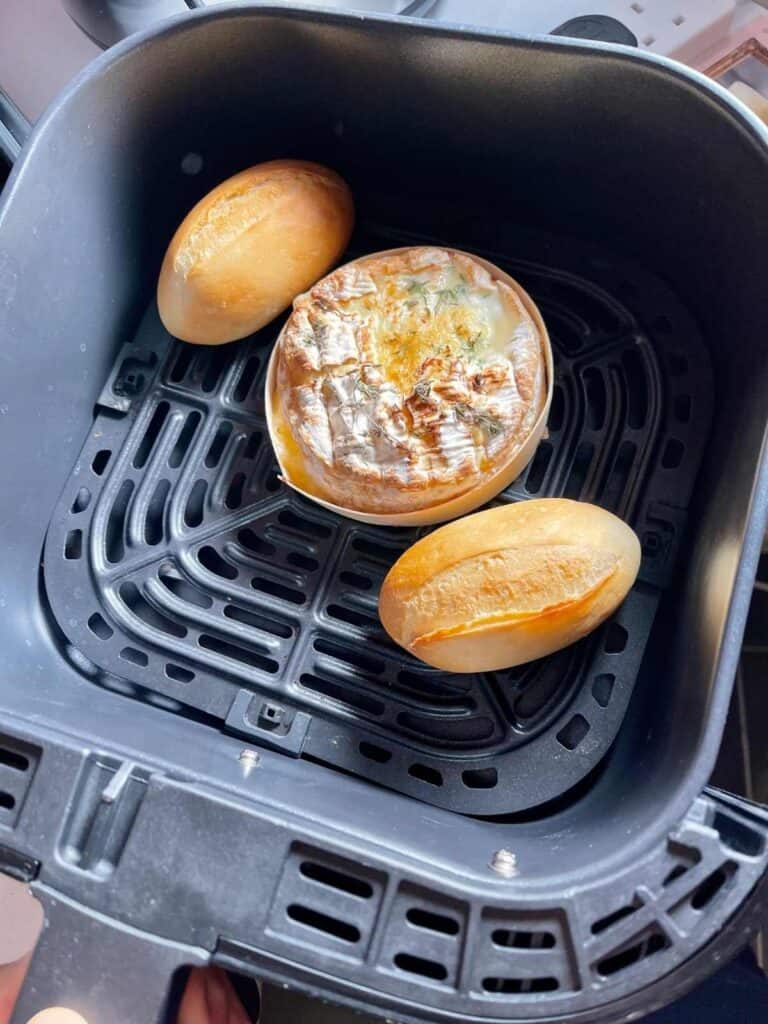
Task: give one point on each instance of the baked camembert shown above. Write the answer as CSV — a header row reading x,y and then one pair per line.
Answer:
x,y
404,379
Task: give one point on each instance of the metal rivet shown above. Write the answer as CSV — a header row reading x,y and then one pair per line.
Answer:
x,y
249,759
504,863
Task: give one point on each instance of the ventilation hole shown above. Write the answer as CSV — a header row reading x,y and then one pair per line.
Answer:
x,y
7,802
182,364
649,40
218,444
217,360
547,681
278,590
99,627
679,20
513,986
480,778
252,448
354,579
336,879
424,773
100,461
709,888
510,939
352,617
184,440
234,652
253,542
153,526
678,364
344,695
350,655
194,511
272,483
185,591
11,759
148,614
673,453
374,753
432,922
114,541
295,522
615,639
419,965
536,473
178,673
653,943
619,476
151,434
447,730
594,387
322,923
82,500
234,495
73,545
636,383
609,920
602,688
682,408
374,551
256,621
211,560
574,732
302,561
556,409
246,379
134,657
579,469
677,872
737,836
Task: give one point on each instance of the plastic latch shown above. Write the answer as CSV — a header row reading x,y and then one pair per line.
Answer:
x,y
130,378
18,865
268,723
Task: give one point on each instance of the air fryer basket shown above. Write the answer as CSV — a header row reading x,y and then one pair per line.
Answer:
x,y
187,607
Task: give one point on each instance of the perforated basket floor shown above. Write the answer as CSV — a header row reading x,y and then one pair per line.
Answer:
x,y
181,571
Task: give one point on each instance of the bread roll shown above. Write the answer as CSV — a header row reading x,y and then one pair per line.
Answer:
x,y
509,585
250,247
406,380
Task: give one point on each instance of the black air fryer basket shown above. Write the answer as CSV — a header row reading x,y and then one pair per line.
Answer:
x,y
209,749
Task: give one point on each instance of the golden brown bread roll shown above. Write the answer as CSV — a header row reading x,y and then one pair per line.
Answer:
x,y
249,247
409,383
509,585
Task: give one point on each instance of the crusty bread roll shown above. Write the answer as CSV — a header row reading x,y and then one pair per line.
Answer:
x,y
509,585
409,381
249,247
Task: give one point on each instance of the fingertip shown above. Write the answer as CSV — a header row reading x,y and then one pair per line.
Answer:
x,y
58,1015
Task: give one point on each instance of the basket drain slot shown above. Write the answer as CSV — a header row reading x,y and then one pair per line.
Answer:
x,y
336,879
318,922
412,964
515,986
432,922
509,939
645,945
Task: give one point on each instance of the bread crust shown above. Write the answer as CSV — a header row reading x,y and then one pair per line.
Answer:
x,y
510,584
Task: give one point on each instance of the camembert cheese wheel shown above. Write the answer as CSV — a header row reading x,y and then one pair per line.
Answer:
x,y
405,379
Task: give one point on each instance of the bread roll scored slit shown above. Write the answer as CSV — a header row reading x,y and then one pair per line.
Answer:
x,y
509,585
441,499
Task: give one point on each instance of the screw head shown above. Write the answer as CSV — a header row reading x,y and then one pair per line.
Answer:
x,y
249,759
504,863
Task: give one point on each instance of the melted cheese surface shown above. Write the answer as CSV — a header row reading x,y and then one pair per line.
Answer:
x,y
404,377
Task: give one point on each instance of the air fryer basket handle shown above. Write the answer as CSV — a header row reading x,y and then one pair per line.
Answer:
x,y
105,971
14,128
